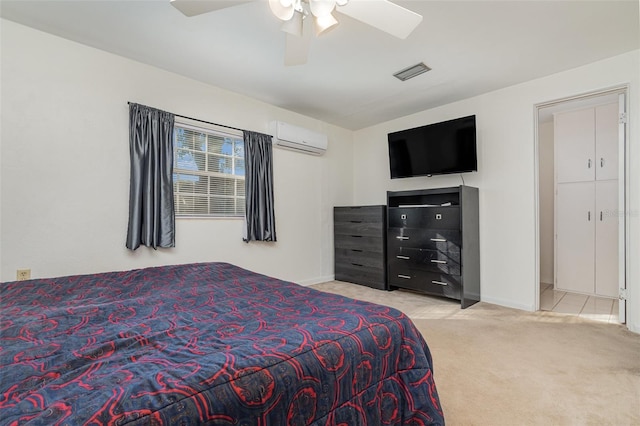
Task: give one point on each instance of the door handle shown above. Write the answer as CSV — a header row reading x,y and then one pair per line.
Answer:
x,y
403,257
589,163
438,261
439,240
589,216
402,238
601,162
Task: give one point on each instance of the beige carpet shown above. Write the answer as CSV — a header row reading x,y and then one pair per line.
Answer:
x,y
501,366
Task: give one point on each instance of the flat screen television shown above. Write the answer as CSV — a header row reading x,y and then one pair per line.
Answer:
x,y
434,149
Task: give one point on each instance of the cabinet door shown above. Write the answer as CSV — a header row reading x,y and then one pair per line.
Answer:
x,y
606,255
575,233
607,142
574,139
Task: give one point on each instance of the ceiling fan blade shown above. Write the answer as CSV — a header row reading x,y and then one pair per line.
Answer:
x,y
383,15
198,7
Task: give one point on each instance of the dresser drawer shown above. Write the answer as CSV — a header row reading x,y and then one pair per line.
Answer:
x,y
362,214
359,257
372,277
362,229
371,244
446,241
428,282
428,260
425,217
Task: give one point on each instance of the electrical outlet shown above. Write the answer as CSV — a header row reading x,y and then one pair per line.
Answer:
x,y
23,274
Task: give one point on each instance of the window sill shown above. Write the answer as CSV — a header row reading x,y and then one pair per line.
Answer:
x,y
209,217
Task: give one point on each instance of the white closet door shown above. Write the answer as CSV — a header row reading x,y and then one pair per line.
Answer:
x,y
574,136
607,238
607,142
575,231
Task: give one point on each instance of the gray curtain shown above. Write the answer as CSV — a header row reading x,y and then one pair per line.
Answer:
x,y
151,211
260,218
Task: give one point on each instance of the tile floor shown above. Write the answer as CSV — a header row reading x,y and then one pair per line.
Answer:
x,y
595,308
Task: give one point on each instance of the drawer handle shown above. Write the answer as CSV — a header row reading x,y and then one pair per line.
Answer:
x,y
406,277
438,282
438,261
358,250
439,240
403,257
402,238
356,236
357,264
356,221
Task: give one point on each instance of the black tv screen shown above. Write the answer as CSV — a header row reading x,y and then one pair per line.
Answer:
x,y
434,149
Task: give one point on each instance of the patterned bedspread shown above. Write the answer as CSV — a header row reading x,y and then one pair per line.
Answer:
x,y
206,344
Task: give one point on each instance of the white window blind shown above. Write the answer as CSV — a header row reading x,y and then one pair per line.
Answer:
x,y
208,172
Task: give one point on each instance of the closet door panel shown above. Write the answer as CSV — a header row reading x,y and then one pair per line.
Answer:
x,y
575,233
574,135
606,255
607,142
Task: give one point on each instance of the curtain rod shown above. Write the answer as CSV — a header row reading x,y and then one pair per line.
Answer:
x,y
204,121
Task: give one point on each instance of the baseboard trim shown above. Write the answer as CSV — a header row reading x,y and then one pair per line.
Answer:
x,y
507,303
312,281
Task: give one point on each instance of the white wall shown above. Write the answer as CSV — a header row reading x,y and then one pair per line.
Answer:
x,y
506,176
545,188
65,167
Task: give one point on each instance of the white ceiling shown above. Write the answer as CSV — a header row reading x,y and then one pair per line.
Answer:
x,y
473,47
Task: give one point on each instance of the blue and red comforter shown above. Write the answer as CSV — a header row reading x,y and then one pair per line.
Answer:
x,y
206,344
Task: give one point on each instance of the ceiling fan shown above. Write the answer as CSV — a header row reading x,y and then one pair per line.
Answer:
x,y
298,15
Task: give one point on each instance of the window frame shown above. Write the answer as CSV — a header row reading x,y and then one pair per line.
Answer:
x,y
208,129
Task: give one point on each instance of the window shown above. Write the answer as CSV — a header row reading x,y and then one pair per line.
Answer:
x,y
208,172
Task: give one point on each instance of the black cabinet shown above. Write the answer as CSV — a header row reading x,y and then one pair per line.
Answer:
x,y
433,243
360,245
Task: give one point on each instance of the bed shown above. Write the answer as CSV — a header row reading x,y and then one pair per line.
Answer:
x,y
207,343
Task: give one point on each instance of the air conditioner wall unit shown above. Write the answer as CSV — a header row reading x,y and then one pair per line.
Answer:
x,y
298,139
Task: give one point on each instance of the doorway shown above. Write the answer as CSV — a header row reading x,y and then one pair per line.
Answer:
x,y
548,297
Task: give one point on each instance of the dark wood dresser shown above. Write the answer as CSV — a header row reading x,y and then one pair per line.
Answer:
x,y
360,245
433,242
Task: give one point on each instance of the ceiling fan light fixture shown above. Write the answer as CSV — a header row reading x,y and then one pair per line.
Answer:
x,y
294,25
320,8
412,71
281,12
324,24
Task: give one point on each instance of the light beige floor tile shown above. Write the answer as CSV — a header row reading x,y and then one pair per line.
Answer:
x,y
549,299
615,310
545,287
588,307
574,299
597,305
569,309
596,317
596,309
571,304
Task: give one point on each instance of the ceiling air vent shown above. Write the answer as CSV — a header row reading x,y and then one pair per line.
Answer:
x,y
412,71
